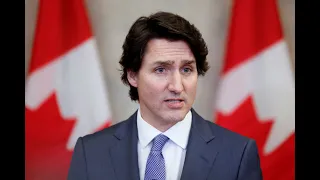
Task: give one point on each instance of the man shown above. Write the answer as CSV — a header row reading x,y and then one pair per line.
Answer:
x,y
163,55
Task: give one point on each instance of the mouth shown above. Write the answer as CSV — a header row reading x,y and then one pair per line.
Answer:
x,y
173,100
174,103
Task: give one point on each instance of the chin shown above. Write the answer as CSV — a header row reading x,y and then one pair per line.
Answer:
x,y
176,116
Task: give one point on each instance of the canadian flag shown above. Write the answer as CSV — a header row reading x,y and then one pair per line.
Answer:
x,y
255,96
66,96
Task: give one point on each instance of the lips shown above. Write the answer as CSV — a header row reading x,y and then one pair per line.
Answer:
x,y
173,100
175,103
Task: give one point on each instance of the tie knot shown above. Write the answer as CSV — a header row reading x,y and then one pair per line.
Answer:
x,y
158,142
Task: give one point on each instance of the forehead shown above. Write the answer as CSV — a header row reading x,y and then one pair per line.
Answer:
x,y
163,49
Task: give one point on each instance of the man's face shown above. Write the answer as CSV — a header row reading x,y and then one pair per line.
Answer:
x,y
166,81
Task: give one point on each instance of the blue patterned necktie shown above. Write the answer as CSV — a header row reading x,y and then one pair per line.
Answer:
x,y
155,169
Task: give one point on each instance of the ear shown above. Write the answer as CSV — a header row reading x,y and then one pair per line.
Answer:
x,y
132,78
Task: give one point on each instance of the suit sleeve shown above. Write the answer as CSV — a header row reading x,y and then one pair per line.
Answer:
x,y
250,168
78,165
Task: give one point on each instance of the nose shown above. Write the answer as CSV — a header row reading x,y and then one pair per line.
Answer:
x,y
175,83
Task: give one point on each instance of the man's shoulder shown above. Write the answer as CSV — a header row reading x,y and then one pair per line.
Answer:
x,y
110,131
225,133
222,133
104,133
97,143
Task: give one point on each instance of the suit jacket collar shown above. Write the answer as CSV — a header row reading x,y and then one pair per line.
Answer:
x,y
201,127
201,150
124,154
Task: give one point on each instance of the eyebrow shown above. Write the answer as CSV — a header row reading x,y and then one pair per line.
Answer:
x,y
170,62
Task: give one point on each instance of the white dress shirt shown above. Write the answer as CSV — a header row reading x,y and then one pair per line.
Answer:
x,y
174,150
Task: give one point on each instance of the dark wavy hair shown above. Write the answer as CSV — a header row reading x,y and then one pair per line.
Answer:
x,y
160,25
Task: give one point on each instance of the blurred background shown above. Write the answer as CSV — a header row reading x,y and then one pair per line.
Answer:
x,y
110,21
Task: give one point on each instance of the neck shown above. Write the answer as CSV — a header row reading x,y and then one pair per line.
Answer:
x,y
160,124
161,127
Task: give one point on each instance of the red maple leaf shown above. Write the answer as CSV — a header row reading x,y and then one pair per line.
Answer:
x,y
47,133
278,165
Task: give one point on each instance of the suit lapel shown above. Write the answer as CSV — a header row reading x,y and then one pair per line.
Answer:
x,y
201,150
124,154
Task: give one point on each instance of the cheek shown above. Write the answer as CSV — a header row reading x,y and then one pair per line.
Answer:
x,y
153,87
191,86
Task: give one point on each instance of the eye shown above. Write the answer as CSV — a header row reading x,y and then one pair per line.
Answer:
x,y
187,70
160,70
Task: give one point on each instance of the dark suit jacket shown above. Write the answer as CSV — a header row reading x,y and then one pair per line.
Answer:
x,y
212,153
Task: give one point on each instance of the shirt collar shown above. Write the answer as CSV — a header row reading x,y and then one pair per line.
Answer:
x,y
179,133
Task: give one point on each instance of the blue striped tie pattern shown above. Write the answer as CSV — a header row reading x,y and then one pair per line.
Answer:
x,y
155,169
